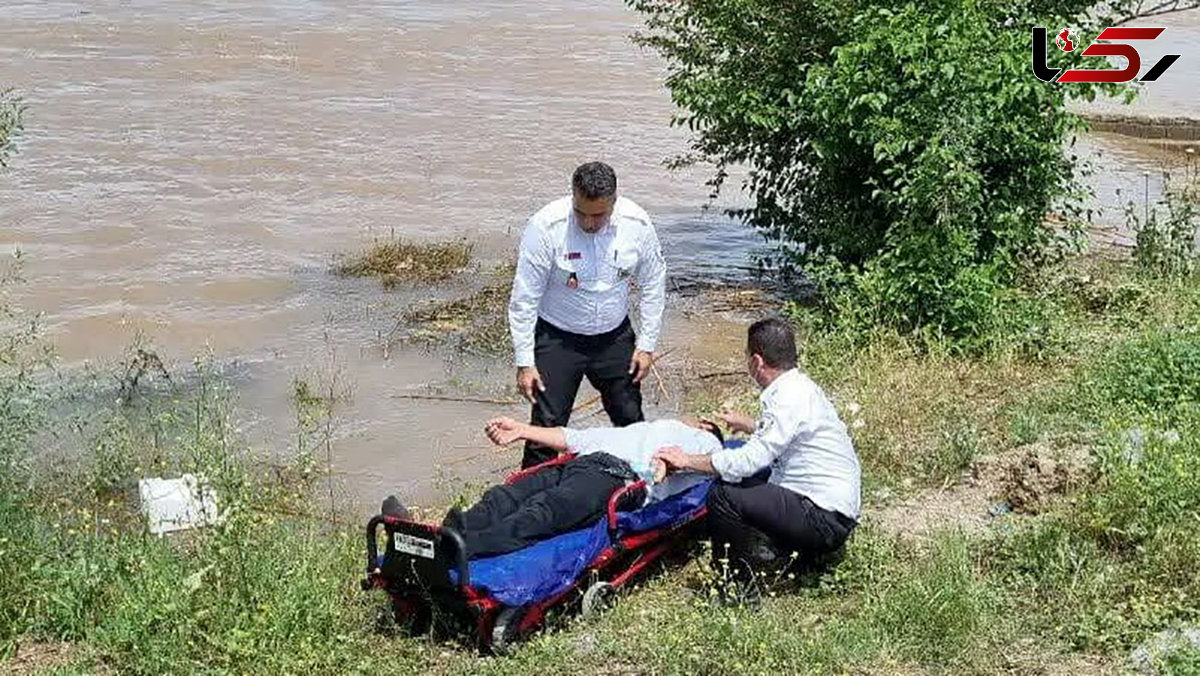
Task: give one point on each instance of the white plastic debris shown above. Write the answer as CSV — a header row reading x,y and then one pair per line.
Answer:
x,y
178,504
1151,657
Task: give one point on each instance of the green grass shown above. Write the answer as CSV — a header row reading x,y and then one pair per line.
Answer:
x,y
274,589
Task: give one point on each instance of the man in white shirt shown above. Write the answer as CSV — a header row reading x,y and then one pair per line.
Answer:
x,y
569,310
563,497
794,487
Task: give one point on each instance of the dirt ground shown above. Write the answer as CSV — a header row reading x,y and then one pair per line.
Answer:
x,y
41,657
1024,480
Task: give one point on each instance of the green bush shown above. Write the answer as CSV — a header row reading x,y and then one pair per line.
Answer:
x,y
1155,374
1149,483
21,415
1182,663
20,549
901,153
268,591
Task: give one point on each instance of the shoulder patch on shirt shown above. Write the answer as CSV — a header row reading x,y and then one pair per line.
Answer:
x,y
766,422
553,215
553,224
627,208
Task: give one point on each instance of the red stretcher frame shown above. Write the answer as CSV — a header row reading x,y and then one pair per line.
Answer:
x,y
617,564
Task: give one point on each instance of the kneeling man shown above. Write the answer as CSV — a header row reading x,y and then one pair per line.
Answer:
x,y
570,495
793,488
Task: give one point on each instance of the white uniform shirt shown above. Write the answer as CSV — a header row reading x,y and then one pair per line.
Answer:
x,y
554,247
636,444
804,442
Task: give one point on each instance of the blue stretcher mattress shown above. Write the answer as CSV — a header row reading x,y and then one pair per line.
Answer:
x,y
546,568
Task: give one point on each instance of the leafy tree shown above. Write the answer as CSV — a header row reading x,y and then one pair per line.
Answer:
x,y
902,153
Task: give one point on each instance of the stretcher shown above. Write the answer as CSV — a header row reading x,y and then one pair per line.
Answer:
x,y
502,599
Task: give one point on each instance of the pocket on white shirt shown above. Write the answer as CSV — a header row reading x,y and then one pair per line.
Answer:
x,y
619,264
563,269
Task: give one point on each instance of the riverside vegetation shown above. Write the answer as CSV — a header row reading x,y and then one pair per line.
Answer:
x,y
1074,587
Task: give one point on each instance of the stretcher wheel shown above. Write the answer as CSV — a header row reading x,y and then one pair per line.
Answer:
x,y
412,617
599,597
506,632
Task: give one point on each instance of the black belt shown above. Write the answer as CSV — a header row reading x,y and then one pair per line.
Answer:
x,y
606,337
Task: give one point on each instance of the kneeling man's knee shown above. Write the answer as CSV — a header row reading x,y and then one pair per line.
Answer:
x,y
718,497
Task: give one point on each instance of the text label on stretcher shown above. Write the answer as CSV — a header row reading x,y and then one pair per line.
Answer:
x,y
413,545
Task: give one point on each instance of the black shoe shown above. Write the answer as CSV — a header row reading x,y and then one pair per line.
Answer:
x,y
454,519
392,507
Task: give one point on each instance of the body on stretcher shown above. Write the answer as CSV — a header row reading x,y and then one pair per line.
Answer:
x,y
501,599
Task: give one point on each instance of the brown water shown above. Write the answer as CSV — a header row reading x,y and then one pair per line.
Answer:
x,y
1177,92
189,170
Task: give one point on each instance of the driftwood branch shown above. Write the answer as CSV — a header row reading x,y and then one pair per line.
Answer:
x,y
662,390
720,374
512,402
466,400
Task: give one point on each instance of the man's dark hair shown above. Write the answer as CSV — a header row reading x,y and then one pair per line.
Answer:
x,y
713,429
773,340
595,180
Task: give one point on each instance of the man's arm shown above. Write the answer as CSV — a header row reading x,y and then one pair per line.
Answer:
x,y
529,283
735,464
534,260
652,279
504,431
774,435
675,459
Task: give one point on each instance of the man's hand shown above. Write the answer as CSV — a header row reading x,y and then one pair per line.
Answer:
x,y
738,422
673,458
659,468
504,431
529,382
639,365
676,460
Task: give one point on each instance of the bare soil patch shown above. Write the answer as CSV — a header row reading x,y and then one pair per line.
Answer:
x,y
1024,480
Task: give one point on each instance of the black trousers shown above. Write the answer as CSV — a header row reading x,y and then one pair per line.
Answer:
x,y
553,500
564,358
759,527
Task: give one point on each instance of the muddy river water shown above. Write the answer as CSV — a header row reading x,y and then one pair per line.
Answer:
x,y
189,170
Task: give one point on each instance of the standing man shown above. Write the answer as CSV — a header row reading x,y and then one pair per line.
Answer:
x,y
569,311
793,488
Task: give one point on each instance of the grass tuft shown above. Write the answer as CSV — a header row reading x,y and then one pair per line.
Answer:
x,y
395,261
476,324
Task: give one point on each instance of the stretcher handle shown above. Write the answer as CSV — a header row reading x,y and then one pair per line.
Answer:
x,y
615,499
460,548
460,556
372,546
